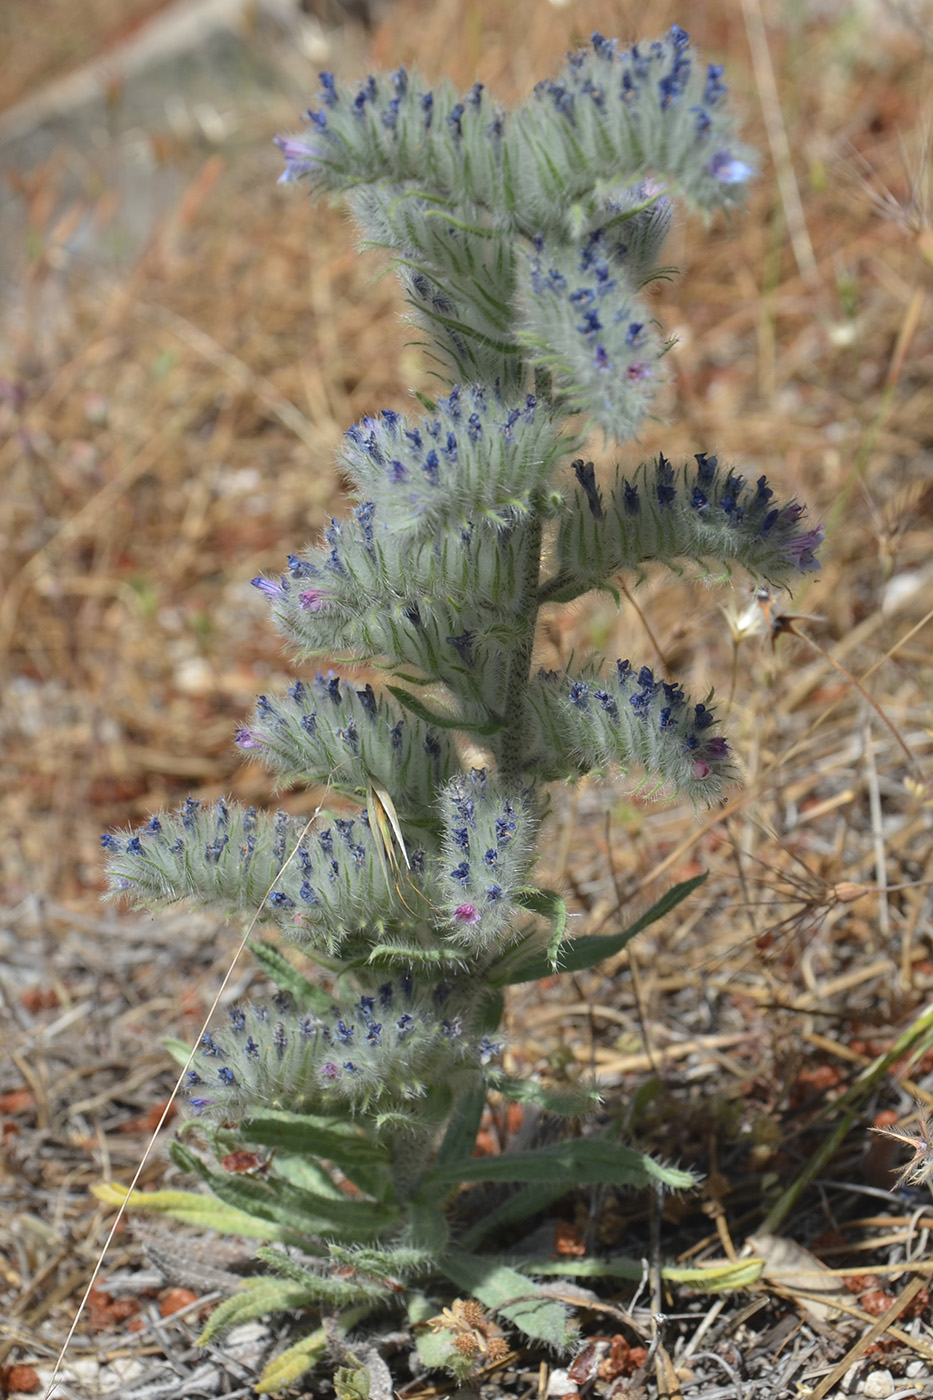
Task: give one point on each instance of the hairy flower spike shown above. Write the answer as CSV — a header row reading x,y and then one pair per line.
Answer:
x,y
354,1061
609,111
580,304
705,514
479,458
592,722
489,834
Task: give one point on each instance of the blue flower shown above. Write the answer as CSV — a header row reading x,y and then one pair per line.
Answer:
x,y
729,169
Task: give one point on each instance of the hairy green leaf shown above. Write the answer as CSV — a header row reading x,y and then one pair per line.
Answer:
x,y
584,1161
580,953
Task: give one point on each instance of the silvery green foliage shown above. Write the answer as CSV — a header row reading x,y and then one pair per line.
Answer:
x,y
525,237
525,241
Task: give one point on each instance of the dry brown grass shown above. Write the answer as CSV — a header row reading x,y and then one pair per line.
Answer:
x,y
171,434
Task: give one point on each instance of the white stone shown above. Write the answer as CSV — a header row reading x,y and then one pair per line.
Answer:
x,y
559,1383
879,1385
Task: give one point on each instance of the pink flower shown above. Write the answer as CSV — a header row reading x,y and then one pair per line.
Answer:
x,y
313,599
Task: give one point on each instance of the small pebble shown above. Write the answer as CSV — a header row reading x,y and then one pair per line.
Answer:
x,y
878,1385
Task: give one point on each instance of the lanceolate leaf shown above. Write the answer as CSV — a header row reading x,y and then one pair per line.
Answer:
x,y
460,1137
582,1162
364,1163
564,1100
524,1204
290,1365
424,712
255,1297
200,1212
549,904
717,1276
580,953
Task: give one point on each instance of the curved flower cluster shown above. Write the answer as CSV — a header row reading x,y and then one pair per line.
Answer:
x,y
475,459
325,886
455,632
383,1051
458,270
588,722
648,108
584,323
488,850
704,512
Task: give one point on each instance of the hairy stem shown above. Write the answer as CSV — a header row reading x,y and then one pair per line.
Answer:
x,y
511,741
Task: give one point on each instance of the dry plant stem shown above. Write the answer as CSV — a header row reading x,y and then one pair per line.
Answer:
x,y
787,624
758,787
99,1264
630,598
737,853
240,373
877,831
733,679
143,461
911,923
795,696
780,146
906,334
637,985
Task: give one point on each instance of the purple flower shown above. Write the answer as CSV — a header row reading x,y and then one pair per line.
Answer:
x,y
467,914
247,739
266,585
302,154
801,549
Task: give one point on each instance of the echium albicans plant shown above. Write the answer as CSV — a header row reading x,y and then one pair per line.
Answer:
x,y
525,242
